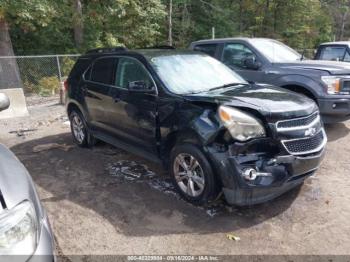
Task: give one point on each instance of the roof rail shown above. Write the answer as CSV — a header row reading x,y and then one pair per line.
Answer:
x,y
161,47
107,50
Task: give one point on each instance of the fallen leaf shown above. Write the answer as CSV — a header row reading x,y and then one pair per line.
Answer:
x,y
233,237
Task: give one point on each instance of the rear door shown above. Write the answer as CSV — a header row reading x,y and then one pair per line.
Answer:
x,y
98,81
132,116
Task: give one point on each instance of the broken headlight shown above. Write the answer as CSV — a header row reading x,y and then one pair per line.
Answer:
x,y
18,230
242,126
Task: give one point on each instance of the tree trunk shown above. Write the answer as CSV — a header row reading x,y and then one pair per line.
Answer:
x,y
170,23
240,17
342,27
78,25
9,73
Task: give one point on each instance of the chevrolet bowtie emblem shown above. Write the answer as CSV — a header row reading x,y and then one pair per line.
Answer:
x,y
310,132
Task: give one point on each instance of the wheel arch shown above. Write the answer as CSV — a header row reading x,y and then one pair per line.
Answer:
x,y
71,105
297,88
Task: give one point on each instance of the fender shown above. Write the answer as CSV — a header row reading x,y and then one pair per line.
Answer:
x,y
71,102
315,88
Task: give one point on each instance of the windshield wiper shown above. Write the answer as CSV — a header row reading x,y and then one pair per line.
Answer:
x,y
227,85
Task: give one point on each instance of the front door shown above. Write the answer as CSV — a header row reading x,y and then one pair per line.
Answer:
x,y
134,114
235,54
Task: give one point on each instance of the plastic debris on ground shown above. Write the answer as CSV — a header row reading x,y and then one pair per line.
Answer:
x,y
21,132
129,170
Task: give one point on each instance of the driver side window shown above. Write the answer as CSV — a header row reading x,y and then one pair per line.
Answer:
x,y
130,70
236,55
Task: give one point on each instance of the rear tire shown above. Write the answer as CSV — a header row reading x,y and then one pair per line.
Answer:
x,y
192,174
80,132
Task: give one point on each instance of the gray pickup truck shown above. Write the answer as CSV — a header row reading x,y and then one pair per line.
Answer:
x,y
269,61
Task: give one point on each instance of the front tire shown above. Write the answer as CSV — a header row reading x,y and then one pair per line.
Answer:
x,y
192,174
80,131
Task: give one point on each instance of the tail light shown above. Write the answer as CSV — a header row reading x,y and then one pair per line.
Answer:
x,y
65,83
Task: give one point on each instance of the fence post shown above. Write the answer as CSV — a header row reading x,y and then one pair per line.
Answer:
x,y
60,79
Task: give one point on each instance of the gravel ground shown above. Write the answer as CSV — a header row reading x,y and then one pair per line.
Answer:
x,y
106,201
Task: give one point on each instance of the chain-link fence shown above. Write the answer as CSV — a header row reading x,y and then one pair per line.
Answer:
x,y
41,75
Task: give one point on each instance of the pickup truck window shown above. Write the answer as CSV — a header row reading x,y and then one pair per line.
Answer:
x,y
347,57
235,55
209,49
275,51
130,70
334,53
193,73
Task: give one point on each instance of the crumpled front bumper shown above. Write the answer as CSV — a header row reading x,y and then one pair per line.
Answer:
x,y
287,172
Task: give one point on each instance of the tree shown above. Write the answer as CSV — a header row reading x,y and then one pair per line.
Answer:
x,y
78,24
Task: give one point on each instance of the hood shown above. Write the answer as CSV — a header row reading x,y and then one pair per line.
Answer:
x,y
272,102
16,184
332,67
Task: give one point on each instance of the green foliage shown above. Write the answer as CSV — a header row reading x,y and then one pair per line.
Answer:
x,y
67,64
46,26
48,86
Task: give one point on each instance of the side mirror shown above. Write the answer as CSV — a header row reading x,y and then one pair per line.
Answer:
x,y
139,86
251,63
4,102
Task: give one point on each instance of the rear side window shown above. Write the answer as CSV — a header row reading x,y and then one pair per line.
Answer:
x,y
103,70
334,53
78,69
209,49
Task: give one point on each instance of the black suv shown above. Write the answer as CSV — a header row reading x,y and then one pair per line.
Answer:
x,y
269,61
212,129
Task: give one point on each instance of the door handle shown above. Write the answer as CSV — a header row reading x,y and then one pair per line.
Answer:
x,y
116,99
84,90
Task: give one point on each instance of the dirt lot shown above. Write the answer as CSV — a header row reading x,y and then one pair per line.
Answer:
x,y
107,201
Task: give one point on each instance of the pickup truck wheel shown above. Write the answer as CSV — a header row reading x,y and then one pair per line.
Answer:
x,y
80,132
192,174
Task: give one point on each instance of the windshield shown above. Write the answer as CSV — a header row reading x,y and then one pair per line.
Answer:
x,y
275,51
193,73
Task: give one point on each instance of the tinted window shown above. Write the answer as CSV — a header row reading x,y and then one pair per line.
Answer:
x,y
335,53
80,66
209,49
234,55
193,73
131,70
103,71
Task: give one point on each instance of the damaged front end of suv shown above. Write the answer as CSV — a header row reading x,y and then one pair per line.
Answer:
x,y
262,142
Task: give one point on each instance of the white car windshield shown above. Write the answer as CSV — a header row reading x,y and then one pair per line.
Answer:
x,y
193,73
275,51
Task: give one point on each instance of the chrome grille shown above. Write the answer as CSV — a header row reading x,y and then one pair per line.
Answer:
x,y
298,123
306,145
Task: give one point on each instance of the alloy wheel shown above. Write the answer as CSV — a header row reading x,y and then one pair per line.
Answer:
x,y
78,128
189,175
